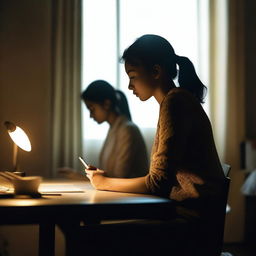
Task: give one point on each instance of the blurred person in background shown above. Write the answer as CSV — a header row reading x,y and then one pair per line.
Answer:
x,y
124,153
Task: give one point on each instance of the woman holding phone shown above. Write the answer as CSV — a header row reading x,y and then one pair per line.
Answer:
x,y
184,162
124,153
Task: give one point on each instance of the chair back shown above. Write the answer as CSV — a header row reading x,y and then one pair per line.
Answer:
x,y
213,231
226,169
221,216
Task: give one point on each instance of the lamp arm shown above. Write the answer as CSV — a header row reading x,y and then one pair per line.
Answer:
x,y
15,157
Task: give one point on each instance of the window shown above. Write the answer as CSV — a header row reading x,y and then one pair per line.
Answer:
x,y
110,26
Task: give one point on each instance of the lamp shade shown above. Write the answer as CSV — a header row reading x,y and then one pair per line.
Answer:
x,y
18,136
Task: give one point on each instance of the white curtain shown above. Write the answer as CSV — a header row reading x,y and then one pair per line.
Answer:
x,y
66,84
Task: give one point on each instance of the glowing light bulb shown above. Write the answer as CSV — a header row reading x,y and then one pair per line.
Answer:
x,y
18,136
21,139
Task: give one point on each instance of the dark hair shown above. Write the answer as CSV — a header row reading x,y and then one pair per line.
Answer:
x,y
100,90
149,50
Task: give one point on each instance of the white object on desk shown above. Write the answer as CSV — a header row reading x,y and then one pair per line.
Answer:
x,y
59,188
26,185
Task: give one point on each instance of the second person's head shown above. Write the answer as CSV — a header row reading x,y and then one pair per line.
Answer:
x,y
102,100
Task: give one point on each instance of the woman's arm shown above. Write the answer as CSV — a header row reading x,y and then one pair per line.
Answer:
x,y
101,182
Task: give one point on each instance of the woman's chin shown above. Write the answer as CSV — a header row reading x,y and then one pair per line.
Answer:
x,y
97,121
143,98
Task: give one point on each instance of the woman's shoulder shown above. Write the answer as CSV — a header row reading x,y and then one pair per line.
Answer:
x,y
179,96
180,104
131,127
179,93
128,126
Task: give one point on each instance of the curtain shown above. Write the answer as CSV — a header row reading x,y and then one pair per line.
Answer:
x,y
218,72
66,84
227,100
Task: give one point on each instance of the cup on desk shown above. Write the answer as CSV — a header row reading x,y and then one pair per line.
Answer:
x,y
27,185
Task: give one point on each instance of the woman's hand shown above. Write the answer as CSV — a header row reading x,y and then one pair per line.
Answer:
x,y
96,176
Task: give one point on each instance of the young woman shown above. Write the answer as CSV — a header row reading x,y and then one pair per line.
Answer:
x,y
124,152
184,161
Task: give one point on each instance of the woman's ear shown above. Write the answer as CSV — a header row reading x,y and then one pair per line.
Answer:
x,y
107,104
157,71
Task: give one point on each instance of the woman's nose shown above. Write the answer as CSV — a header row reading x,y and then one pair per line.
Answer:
x,y
130,86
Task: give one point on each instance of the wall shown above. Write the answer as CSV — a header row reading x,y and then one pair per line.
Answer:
x,y
25,99
25,81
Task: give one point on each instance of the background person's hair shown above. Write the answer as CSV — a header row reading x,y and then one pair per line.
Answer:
x,y
149,50
98,91
122,104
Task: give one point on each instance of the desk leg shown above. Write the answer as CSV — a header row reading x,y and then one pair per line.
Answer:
x,y
46,239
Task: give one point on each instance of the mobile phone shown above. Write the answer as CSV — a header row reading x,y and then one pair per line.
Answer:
x,y
83,162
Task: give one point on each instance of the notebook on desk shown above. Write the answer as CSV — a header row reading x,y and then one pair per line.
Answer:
x,y
6,186
59,188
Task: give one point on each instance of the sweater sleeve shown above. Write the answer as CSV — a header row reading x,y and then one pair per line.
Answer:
x,y
170,146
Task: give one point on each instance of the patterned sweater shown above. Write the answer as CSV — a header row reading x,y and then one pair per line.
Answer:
x,y
184,160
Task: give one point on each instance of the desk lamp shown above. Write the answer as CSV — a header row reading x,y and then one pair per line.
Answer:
x,y
20,140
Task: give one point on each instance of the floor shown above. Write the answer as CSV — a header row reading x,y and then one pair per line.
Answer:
x,y
239,249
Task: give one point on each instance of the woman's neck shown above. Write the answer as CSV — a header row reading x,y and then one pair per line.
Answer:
x,y
162,90
112,116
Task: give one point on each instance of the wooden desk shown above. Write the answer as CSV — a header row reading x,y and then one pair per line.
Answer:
x,y
87,205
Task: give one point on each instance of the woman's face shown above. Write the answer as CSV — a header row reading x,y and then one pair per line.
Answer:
x,y
98,112
141,81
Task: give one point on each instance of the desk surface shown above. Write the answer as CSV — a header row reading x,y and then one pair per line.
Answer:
x,y
86,203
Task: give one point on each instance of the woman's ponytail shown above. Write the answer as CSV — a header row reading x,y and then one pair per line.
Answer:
x,y
122,104
188,78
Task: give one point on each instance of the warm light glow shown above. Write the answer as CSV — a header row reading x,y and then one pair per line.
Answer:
x,y
20,138
25,202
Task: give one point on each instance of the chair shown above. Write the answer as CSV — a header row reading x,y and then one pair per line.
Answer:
x,y
213,231
213,228
226,169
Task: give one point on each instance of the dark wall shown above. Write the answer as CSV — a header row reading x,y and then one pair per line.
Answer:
x,y
250,68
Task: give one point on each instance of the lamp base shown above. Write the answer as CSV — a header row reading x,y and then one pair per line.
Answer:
x,y
21,174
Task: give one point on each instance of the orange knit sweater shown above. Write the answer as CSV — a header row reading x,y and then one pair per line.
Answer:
x,y
184,160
